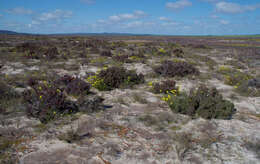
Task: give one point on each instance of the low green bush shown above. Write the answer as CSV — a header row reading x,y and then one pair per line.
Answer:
x,y
115,77
7,96
239,80
203,102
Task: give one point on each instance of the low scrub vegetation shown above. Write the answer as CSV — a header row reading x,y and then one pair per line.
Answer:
x,y
115,77
164,87
171,69
74,85
202,102
122,58
7,96
47,101
242,82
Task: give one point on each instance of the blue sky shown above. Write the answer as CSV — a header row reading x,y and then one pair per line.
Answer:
x,y
173,17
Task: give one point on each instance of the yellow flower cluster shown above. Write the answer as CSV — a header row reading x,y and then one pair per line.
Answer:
x,y
170,95
150,83
162,50
177,60
224,69
95,81
228,80
134,57
167,98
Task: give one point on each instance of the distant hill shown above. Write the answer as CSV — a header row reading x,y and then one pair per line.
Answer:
x,y
69,34
125,34
7,32
103,34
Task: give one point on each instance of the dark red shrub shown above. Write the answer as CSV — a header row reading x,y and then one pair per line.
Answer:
x,y
77,87
122,58
106,53
51,53
171,69
46,102
164,86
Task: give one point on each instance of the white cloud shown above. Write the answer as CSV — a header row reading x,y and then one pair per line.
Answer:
x,y
20,11
214,16
164,19
168,21
224,22
124,17
133,24
170,24
186,27
115,18
101,21
55,15
50,18
88,1
227,7
210,1
180,4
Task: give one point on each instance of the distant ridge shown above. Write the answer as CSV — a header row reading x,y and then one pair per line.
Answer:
x,y
7,32
69,34
104,34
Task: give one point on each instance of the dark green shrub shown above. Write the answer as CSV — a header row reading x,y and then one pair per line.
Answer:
x,y
247,90
28,46
106,53
91,104
66,79
165,87
178,52
51,53
95,43
11,141
115,77
7,97
31,50
202,102
32,81
139,54
73,85
117,44
171,69
199,46
243,83
163,52
133,78
77,87
6,92
122,58
32,55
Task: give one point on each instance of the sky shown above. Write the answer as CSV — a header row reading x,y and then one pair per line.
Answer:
x,y
167,17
